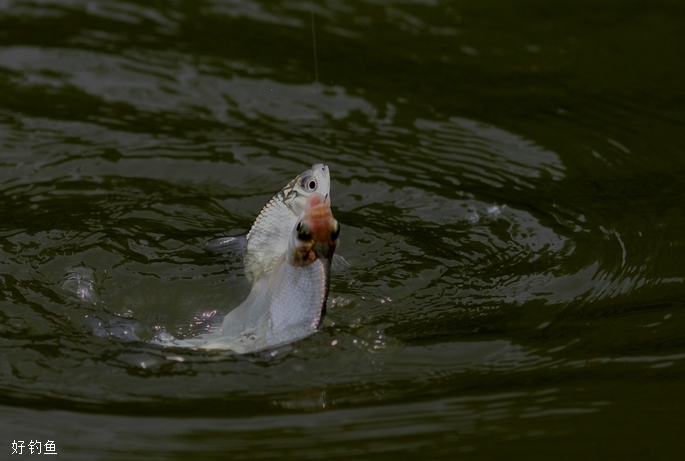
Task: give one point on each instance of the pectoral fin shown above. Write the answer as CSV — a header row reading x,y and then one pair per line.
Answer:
x,y
339,264
232,247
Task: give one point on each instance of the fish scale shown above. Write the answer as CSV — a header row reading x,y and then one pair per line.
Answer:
x,y
268,237
269,234
289,302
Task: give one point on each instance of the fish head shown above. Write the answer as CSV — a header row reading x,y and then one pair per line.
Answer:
x,y
271,231
316,180
315,235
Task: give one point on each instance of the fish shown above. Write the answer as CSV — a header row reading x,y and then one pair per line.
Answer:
x,y
289,303
268,237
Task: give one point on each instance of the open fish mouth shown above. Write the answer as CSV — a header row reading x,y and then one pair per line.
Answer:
x,y
317,222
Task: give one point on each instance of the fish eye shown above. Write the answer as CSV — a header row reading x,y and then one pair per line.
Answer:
x,y
309,184
336,231
303,232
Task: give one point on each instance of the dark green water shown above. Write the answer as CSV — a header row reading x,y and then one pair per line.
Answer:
x,y
509,175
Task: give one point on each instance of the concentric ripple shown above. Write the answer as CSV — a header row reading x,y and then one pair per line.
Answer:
x,y
513,226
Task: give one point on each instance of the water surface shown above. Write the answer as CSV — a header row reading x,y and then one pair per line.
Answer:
x,y
509,180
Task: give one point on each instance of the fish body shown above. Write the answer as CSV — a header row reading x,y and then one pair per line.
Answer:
x,y
268,237
289,303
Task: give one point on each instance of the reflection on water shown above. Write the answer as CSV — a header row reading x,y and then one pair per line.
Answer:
x,y
514,239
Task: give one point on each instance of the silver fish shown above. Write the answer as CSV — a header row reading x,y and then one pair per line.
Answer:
x,y
289,303
268,238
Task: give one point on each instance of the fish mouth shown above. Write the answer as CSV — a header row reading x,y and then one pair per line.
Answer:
x,y
319,217
317,205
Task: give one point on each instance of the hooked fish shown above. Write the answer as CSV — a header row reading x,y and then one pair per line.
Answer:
x,y
289,303
268,237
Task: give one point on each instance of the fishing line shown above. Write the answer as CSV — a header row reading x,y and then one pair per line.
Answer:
x,y
316,67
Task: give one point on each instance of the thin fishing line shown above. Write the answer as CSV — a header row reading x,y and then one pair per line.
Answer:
x,y
317,86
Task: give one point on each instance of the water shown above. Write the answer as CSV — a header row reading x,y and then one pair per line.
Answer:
x,y
509,180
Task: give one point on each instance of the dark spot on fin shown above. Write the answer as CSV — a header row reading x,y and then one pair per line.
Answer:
x,y
303,232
